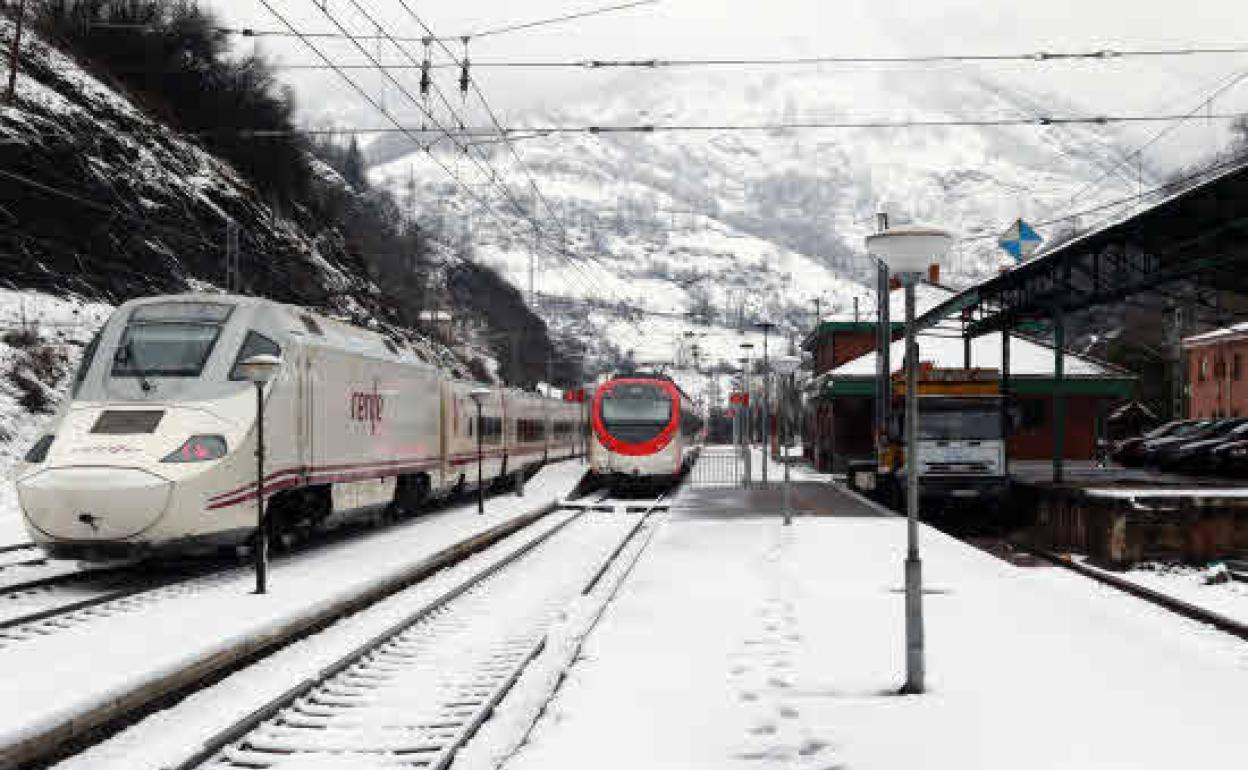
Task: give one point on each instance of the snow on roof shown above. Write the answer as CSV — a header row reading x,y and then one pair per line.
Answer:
x,y
926,297
943,346
1217,335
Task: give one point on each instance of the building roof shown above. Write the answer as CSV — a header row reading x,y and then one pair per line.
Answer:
x,y
1225,334
1029,359
926,297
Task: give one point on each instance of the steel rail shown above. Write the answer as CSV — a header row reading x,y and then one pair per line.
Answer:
x,y
1165,601
258,717
83,730
441,752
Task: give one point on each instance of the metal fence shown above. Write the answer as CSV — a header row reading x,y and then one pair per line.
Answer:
x,y
718,466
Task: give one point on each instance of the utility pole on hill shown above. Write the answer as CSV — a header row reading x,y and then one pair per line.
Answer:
x,y
14,56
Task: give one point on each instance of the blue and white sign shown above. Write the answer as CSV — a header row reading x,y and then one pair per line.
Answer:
x,y
1020,241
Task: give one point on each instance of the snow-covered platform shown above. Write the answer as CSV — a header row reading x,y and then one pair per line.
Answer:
x,y
1122,516
740,642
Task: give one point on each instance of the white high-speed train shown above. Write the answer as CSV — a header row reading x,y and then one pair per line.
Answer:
x,y
155,450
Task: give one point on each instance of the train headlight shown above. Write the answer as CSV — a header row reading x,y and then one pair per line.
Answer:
x,y
39,452
198,449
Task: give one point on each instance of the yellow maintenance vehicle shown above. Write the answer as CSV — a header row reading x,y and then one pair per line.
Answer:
x,y
961,437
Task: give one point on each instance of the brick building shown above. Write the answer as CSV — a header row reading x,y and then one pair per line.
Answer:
x,y
843,392
1217,373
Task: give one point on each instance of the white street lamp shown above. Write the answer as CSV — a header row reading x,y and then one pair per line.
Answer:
x,y
478,395
908,251
786,366
260,369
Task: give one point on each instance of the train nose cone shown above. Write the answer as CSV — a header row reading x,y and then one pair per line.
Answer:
x,y
93,503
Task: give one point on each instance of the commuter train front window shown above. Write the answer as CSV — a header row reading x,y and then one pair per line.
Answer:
x,y
254,345
636,412
164,349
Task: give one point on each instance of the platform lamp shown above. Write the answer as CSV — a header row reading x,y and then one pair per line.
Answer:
x,y
747,427
260,369
786,366
478,395
908,252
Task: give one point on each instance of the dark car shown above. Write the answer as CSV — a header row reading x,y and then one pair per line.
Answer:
x,y
1165,453
1130,451
1230,458
1203,455
1184,429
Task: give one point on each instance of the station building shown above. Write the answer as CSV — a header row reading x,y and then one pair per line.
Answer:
x,y
1216,372
842,394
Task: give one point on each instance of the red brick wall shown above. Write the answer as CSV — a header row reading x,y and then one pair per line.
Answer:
x,y
836,348
1035,442
1216,387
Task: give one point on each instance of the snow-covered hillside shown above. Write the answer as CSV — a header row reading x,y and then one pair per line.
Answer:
x,y
757,224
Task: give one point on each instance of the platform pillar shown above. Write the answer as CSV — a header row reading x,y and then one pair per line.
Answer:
x,y
1059,395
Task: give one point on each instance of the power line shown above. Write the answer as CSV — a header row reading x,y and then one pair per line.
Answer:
x,y
1174,185
1139,151
533,132
490,32
1036,57
481,202
560,19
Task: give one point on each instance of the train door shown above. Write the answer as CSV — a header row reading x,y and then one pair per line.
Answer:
x,y
306,415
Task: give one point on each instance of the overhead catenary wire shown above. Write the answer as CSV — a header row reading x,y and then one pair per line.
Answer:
x,y
326,35
1034,57
466,81
481,202
1139,151
540,131
492,173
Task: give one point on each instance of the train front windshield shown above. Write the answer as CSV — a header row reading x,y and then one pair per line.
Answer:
x,y
636,412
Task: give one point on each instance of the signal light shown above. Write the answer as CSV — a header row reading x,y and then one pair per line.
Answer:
x,y
198,449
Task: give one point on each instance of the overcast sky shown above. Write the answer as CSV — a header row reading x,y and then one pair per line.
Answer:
x,y
676,28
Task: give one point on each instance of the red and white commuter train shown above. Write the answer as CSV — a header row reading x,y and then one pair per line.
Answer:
x,y
645,431
155,450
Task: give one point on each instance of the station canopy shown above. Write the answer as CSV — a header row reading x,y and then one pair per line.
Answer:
x,y
1031,362
1197,237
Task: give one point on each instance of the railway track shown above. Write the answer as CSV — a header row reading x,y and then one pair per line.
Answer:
x,y
36,608
414,694
1028,556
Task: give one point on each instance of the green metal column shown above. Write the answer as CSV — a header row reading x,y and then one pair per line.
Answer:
x,y
1059,395
1005,393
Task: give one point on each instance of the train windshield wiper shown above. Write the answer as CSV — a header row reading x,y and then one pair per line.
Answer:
x,y
132,361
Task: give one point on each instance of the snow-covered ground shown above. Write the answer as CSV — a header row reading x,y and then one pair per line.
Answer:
x,y
742,643
1187,584
49,679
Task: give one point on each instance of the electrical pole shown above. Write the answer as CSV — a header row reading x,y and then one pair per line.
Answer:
x,y
15,52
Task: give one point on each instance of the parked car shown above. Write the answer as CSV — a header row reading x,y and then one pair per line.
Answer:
x,y
1129,451
1202,455
1233,458
1165,453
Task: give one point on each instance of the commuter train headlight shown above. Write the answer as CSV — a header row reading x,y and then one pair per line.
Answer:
x,y
198,449
39,452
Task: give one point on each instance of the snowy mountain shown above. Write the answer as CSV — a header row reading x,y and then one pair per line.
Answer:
x,y
746,225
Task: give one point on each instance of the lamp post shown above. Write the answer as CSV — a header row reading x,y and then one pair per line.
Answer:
x,y
478,395
260,369
785,367
766,326
907,251
746,427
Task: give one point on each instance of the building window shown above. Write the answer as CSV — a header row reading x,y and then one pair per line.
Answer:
x,y
1203,372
